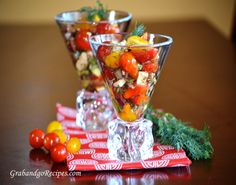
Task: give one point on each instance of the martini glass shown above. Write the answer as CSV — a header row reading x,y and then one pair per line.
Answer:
x,y
93,103
130,73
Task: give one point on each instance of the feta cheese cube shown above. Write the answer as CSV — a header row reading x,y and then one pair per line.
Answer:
x,y
82,62
119,83
142,78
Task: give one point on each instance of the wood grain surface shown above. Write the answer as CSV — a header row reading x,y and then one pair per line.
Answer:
x,y
197,84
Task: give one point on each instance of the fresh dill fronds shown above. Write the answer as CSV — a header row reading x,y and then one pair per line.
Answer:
x,y
168,130
99,10
138,30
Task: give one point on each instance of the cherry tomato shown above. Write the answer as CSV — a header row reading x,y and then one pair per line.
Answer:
x,y
112,60
106,28
36,137
61,135
127,114
58,152
82,40
137,91
54,125
140,99
136,40
108,73
50,140
150,67
102,52
144,55
129,64
73,145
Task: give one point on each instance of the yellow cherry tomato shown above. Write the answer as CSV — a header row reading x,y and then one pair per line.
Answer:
x,y
113,60
127,114
61,135
54,125
73,145
134,40
96,18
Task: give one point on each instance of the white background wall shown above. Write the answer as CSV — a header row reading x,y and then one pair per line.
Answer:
x,y
218,12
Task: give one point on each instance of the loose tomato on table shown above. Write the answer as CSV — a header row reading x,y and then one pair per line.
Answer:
x,y
58,152
54,125
36,138
62,136
82,40
107,28
129,64
73,145
50,140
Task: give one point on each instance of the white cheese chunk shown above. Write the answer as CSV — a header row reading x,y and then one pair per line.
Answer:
x,y
82,62
119,83
151,38
142,78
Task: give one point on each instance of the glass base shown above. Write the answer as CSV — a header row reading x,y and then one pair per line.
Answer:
x,y
94,110
130,141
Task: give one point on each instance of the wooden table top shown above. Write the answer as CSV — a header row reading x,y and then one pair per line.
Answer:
x,y
197,84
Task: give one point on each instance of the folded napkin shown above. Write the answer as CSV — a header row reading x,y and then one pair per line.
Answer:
x,y
93,155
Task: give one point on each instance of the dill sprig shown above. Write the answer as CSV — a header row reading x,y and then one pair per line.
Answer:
x,y
171,131
99,10
138,30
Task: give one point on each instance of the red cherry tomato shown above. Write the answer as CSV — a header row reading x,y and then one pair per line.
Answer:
x,y
129,64
36,137
144,55
58,152
102,52
82,40
137,91
150,67
106,28
50,140
108,73
140,99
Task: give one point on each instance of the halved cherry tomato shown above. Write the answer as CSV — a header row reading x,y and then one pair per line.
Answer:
x,y
102,52
36,137
144,54
136,40
58,152
127,114
138,90
82,40
50,140
129,64
112,60
106,28
140,99
108,73
150,67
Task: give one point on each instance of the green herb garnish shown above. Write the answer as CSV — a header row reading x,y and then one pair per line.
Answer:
x,y
171,131
138,30
130,80
97,11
